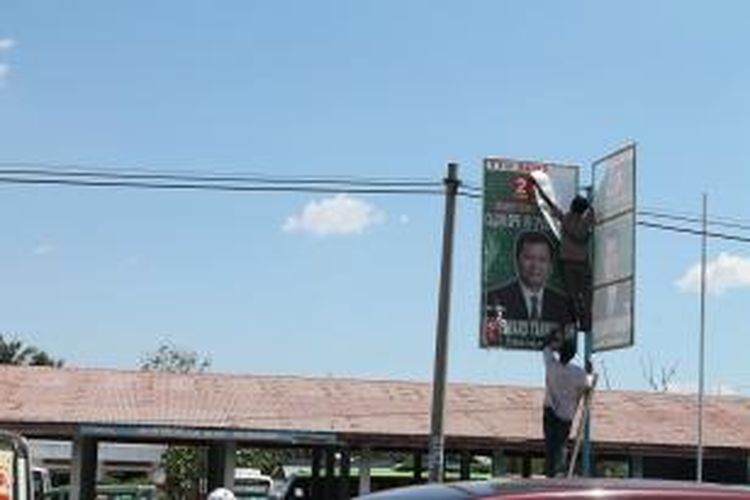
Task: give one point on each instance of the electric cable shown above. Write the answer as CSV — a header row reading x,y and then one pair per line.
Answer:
x,y
47,174
348,189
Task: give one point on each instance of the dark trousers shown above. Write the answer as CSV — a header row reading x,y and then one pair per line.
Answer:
x,y
556,432
577,277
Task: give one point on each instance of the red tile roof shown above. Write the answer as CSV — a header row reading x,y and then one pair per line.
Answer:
x,y
352,407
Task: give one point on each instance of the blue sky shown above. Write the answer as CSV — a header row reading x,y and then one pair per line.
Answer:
x,y
375,89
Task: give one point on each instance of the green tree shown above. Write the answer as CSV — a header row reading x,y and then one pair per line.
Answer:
x,y
168,358
270,461
184,466
15,352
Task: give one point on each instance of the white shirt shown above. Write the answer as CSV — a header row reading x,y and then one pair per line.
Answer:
x,y
564,384
527,294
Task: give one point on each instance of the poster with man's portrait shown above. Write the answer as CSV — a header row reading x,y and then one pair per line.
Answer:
x,y
523,295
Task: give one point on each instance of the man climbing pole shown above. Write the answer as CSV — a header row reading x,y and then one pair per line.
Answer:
x,y
576,229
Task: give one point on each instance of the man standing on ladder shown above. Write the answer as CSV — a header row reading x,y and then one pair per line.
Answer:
x,y
565,383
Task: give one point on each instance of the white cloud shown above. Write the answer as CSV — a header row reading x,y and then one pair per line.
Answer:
x,y
340,214
692,388
724,272
404,219
6,44
43,249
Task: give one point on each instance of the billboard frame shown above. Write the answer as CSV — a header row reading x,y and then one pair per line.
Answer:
x,y
630,146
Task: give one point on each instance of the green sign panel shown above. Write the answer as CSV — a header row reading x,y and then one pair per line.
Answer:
x,y
523,297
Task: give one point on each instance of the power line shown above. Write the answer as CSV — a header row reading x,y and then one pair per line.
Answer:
x,y
697,232
471,187
46,169
695,215
156,181
473,196
696,220
351,189
259,183
7,169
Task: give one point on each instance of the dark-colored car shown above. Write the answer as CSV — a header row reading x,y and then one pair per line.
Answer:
x,y
567,489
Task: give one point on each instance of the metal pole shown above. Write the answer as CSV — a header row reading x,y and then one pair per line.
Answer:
x,y
702,349
588,349
437,438
586,458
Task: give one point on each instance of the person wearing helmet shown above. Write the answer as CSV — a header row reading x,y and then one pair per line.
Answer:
x,y
221,494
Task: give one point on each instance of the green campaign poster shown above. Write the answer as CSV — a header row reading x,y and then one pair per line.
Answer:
x,y
523,296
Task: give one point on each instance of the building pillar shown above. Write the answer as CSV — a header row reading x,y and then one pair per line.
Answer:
x,y
345,468
526,465
466,457
316,489
330,478
499,463
364,471
635,466
222,460
101,472
83,468
418,465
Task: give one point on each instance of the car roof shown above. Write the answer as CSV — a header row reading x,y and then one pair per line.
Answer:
x,y
567,488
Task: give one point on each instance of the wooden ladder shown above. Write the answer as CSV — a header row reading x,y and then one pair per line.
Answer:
x,y
583,411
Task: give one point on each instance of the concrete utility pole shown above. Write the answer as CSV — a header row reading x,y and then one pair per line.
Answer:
x,y
437,436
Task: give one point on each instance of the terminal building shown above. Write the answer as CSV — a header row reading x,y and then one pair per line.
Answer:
x,y
91,423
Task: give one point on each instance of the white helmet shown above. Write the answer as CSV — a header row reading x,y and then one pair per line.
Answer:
x,y
221,494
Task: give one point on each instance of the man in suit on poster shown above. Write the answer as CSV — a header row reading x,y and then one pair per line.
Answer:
x,y
528,297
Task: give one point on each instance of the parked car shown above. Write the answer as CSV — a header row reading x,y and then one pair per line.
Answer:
x,y
40,481
15,467
566,489
251,484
